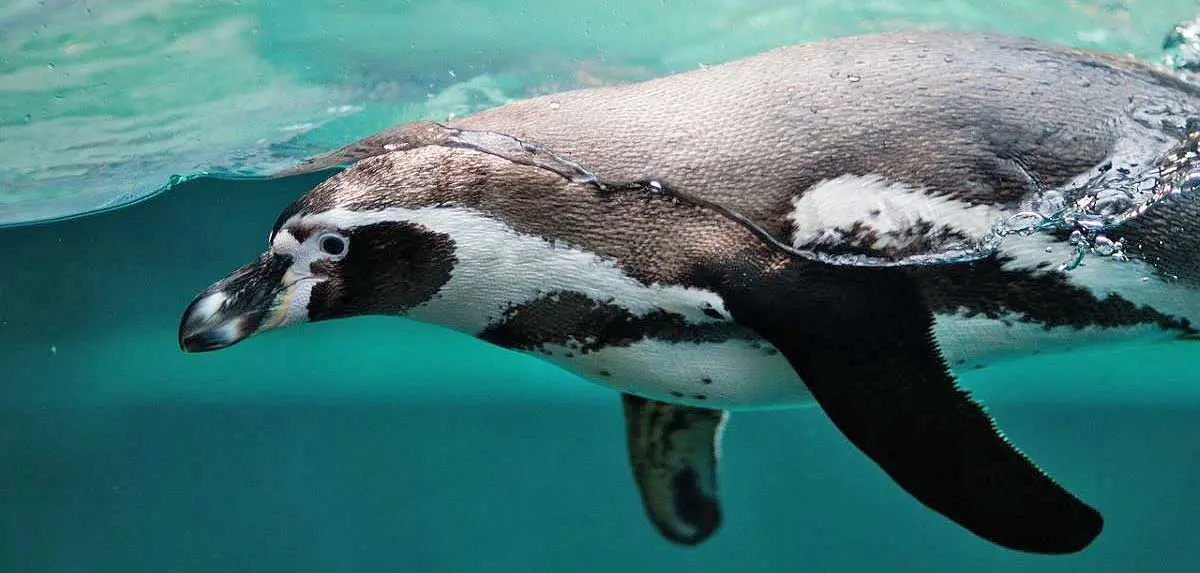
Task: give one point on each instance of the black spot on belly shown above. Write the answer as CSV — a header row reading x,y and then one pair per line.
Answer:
x,y
700,397
706,380
712,312
586,325
677,394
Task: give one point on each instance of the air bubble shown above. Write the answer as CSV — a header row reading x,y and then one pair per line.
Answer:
x,y
1191,182
1090,223
1025,222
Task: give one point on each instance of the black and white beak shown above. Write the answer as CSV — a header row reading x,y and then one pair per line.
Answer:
x,y
255,298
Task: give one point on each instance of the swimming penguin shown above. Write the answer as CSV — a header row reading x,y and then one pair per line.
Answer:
x,y
652,238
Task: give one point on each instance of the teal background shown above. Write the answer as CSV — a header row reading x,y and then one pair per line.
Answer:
x,y
383,445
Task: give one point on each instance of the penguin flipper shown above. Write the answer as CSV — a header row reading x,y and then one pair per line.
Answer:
x,y
861,340
673,450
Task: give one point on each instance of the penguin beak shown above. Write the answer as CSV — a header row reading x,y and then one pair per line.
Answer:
x,y
238,306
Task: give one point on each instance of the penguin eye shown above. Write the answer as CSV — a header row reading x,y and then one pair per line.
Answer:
x,y
333,244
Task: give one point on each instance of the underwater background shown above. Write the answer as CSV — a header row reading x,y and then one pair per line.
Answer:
x,y
380,444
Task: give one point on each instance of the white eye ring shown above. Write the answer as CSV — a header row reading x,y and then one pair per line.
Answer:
x,y
333,244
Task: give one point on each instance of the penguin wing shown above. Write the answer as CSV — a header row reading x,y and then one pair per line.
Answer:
x,y
674,450
861,340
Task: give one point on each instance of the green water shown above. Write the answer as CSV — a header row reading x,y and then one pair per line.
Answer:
x,y
383,445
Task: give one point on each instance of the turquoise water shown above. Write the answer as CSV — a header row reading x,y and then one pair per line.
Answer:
x,y
106,100
383,445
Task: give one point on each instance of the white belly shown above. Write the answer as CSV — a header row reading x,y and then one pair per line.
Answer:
x,y
736,374
741,374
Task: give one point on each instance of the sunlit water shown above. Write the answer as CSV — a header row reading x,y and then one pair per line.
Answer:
x,y
106,100
384,445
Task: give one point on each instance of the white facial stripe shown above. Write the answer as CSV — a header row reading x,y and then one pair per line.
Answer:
x,y
291,307
303,254
497,267
285,242
1133,280
890,209
346,219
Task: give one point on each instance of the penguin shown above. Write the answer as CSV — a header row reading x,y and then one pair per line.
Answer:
x,y
774,232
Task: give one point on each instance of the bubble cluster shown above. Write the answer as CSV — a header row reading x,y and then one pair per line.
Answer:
x,y
1087,212
1181,48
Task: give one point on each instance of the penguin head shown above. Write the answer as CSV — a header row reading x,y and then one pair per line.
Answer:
x,y
344,249
386,236
320,268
